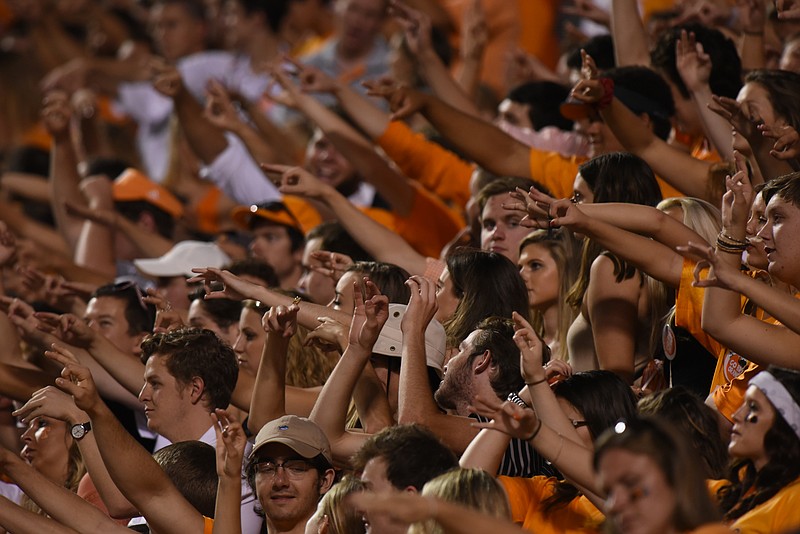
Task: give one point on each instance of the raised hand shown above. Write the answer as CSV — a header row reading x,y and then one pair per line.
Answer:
x,y
788,9
403,101
507,417
371,313
416,26
787,141
739,116
694,65
166,318
230,445
233,287
474,32
719,274
75,379
56,114
330,335
51,402
589,11
219,109
422,305
165,77
334,264
281,320
738,198
68,328
296,181
312,79
532,350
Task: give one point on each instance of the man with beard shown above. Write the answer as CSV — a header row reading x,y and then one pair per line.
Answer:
x,y
487,364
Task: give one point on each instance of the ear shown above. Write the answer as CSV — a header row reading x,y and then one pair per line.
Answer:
x,y
326,481
411,489
483,362
196,389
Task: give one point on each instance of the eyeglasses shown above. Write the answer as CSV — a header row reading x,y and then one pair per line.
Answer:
x,y
293,468
577,423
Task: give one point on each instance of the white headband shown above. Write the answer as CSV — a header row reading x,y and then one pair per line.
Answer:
x,y
780,398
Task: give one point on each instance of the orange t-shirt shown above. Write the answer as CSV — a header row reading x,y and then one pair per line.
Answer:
x,y
525,495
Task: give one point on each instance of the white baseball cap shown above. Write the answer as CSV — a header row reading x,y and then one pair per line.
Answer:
x,y
182,258
390,341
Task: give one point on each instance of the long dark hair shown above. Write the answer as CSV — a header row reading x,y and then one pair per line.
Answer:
x,y
603,398
487,284
751,487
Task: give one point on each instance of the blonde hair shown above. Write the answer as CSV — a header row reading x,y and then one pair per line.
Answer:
x,y
342,519
565,250
473,488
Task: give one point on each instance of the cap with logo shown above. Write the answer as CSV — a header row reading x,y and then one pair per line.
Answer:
x,y
301,435
132,186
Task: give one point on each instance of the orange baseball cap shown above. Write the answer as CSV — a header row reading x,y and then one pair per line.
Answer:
x,y
132,185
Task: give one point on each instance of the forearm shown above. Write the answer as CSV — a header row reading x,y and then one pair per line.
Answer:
x,y
647,255
64,183
371,403
60,503
382,244
20,383
485,451
415,399
118,506
286,148
369,117
14,518
125,369
457,94
259,149
752,51
206,140
150,244
481,141
628,34
227,512
687,174
330,410
307,316
269,396
717,129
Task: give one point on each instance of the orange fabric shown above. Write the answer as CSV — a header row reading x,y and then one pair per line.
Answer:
x,y
6,15
539,37
429,226
88,492
689,308
207,211
208,525
525,495
438,170
781,513
504,24
37,136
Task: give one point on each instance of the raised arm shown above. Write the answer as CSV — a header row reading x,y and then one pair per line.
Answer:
x,y
330,410
481,141
416,403
382,244
269,395
630,38
230,446
15,518
130,466
52,402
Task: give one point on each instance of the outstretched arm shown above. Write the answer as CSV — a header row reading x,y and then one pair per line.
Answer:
x,y
416,403
383,244
481,141
131,467
330,411
630,38
269,395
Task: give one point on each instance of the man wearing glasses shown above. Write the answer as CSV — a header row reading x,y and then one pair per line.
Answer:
x,y
290,469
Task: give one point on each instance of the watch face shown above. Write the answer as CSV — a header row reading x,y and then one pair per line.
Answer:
x,y
77,431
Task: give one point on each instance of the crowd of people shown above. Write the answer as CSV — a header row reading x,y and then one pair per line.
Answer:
x,y
399,266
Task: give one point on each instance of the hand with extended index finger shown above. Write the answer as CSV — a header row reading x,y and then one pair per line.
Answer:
x,y
422,305
230,445
281,320
787,141
75,379
403,101
69,328
507,417
532,350
295,181
334,264
370,314
51,402
233,287
719,273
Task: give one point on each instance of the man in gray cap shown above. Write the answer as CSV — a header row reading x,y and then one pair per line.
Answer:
x,y
290,468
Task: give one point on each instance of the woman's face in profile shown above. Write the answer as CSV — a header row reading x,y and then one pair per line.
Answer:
x,y
639,499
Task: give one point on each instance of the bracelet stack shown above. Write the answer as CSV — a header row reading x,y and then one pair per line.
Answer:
x,y
608,93
731,245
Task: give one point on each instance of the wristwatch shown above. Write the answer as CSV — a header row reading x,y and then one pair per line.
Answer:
x,y
81,429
